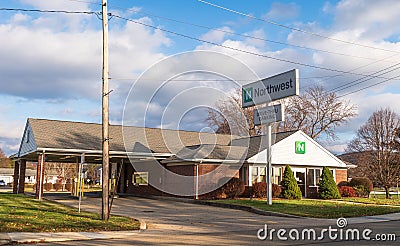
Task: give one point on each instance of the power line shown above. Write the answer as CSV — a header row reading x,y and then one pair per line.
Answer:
x,y
351,84
48,11
367,87
243,51
245,35
295,29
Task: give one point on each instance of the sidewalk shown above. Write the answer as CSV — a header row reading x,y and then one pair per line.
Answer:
x,y
31,237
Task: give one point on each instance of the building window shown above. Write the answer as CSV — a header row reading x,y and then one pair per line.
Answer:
x,y
258,174
254,173
276,175
140,178
314,176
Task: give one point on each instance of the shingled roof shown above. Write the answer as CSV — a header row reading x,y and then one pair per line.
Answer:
x,y
88,136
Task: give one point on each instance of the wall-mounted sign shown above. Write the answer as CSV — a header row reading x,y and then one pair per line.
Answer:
x,y
300,147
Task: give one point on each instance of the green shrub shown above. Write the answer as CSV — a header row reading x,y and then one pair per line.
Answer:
x,y
366,182
233,188
361,191
290,188
327,185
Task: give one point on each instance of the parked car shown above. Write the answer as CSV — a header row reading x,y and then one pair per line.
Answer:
x,y
2,183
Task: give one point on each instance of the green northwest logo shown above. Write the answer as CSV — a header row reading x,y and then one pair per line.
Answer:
x,y
248,94
300,147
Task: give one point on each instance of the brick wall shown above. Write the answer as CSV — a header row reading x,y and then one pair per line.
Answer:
x,y
341,175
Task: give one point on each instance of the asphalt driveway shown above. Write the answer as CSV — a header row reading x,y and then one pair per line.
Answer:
x,y
175,222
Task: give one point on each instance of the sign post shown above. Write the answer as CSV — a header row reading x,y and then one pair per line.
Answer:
x,y
264,92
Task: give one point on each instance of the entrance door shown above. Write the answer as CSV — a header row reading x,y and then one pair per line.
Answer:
x,y
300,175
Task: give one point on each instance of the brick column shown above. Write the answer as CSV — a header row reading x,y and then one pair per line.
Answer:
x,y
16,174
22,170
39,180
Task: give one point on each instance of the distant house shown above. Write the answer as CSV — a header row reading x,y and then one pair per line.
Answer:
x,y
7,175
155,161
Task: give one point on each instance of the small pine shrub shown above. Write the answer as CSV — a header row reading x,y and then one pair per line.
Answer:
x,y
366,182
347,191
327,185
233,188
290,188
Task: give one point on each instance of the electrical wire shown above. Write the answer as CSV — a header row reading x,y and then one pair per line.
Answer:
x,y
295,29
48,11
244,35
243,51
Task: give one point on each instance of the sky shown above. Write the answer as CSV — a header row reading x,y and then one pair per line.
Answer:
x,y
52,62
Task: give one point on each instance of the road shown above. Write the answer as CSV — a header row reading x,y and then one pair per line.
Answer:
x,y
175,223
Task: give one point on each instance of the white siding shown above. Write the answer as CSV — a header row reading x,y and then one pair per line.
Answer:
x,y
28,143
283,153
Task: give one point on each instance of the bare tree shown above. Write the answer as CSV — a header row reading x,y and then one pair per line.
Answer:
x,y
375,140
229,117
4,160
316,112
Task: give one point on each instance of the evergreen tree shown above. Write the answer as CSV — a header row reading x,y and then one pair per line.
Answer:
x,y
327,185
290,188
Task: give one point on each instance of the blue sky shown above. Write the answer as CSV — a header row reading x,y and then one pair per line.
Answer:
x,y
51,63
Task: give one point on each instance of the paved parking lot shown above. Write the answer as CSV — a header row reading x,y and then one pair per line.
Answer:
x,y
174,222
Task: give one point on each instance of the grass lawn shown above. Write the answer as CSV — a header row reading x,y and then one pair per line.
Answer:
x,y
315,208
19,213
378,200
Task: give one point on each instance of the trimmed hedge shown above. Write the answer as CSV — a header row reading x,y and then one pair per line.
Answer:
x,y
290,188
233,188
327,185
260,190
362,181
343,183
347,191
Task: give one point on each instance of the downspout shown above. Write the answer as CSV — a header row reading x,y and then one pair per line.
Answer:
x,y
41,176
19,175
197,179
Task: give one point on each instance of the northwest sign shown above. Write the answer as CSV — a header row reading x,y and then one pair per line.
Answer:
x,y
269,89
300,147
269,115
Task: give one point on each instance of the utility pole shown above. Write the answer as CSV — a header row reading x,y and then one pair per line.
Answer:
x,y
105,123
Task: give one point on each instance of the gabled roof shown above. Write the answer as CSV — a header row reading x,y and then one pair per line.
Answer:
x,y
283,152
209,153
56,134
257,144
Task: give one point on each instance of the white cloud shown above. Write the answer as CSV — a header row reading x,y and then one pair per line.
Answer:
x,y
282,11
217,36
375,19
